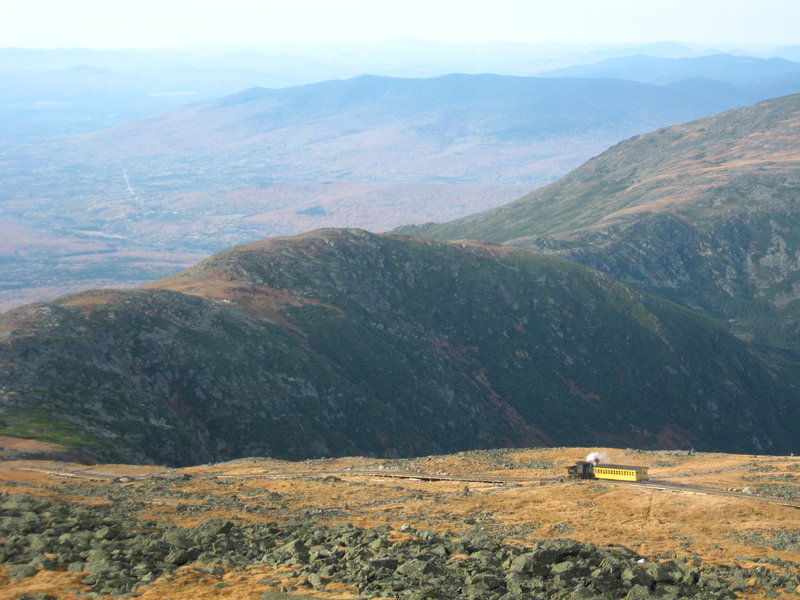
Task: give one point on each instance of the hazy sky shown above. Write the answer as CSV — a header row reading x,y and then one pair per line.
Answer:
x,y
158,23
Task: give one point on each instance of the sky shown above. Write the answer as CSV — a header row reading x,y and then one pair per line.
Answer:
x,y
108,24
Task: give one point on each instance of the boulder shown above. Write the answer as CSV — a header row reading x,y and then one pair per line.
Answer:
x,y
178,539
21,571
416,569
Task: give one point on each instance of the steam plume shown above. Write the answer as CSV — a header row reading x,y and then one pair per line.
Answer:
x,y
597,457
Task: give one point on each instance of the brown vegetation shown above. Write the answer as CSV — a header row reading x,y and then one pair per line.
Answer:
x,y
540,505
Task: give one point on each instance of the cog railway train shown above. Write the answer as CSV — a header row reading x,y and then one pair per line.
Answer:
x,y
594,470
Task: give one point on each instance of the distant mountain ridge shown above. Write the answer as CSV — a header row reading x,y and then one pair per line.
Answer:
x,y
740,71
131,202
456,105
703,213
452,107
344,342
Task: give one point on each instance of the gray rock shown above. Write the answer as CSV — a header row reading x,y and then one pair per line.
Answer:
x,y
21,571
105,533
636,576
213,570
38,542
101,566
582,593
177,556
97,555
530,563
383,562
662,572
214,527
295,550
415,569
516,596
178,539
43,562
640,592
316,581
490,580
474,541
486,558
567,569
690,575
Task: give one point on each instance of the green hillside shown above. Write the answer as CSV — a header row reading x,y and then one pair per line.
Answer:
x,y
703,213
343,342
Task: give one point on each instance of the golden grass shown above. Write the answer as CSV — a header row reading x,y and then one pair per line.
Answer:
x,y
541,505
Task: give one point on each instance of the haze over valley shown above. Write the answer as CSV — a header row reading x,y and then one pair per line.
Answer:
x,y
85,205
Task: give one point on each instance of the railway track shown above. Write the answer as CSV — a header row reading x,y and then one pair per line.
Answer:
x,y
672,486
90,473
656,485
420,476
652,484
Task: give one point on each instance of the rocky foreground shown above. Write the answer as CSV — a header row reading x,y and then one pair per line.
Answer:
x,y
485,524
118,554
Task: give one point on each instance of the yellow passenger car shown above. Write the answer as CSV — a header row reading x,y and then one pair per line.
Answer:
x,y
621,472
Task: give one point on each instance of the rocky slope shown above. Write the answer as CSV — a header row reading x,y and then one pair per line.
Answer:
x,y
344,342
120,554
703,213
350,528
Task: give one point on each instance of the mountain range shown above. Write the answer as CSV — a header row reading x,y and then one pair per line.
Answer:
x,y
57,92
649,298
148,197
740,71
342,342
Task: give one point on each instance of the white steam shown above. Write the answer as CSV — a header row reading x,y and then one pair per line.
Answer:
x,y
597,457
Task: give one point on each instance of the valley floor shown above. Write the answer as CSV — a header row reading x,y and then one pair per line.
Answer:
x,y
518,496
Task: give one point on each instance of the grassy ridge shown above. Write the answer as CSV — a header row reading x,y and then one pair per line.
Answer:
x,y
383,345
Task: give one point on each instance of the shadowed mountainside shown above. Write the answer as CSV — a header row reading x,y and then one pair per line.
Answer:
x,y
343,342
